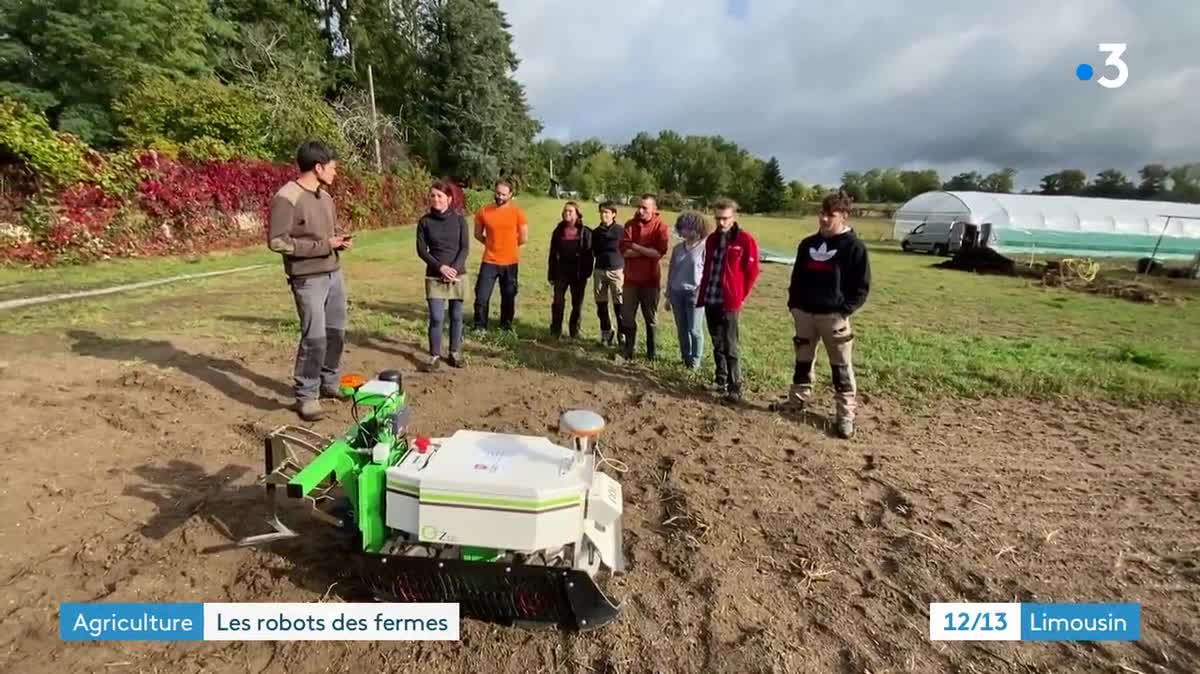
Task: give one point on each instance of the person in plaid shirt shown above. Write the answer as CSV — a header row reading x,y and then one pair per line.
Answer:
x,y
731,268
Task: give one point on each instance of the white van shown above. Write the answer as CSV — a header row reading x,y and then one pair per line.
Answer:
x,y
940,238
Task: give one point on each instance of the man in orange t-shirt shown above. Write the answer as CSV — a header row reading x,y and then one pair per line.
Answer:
x,y
643,246
502,229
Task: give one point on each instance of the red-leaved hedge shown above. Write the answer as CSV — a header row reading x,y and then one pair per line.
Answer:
x,y
159,206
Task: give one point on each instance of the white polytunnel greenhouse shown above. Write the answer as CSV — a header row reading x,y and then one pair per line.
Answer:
x,y
1015,224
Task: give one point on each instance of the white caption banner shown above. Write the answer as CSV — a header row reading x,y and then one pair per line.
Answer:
x,y
974,622
331,622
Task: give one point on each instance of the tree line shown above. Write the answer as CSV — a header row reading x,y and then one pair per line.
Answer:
x,y
696,170
224,78
254,78
683,170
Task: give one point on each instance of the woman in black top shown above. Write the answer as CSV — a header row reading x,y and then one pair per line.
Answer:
x,y
443,242
570,267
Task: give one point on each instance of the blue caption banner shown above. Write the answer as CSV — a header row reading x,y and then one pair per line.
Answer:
x,y
258,622
1081,622
969,621
131,622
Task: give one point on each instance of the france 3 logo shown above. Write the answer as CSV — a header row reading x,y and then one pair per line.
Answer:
x,y
1116,51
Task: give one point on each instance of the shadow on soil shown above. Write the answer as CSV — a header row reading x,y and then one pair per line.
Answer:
x,y
585,358
181,490
534,347
407,350
216,372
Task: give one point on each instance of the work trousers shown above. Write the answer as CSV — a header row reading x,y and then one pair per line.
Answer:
x,y
321,307
489,274
835,333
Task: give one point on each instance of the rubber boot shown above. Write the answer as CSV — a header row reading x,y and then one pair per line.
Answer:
x,y
556,319
629,338
575,320
651,344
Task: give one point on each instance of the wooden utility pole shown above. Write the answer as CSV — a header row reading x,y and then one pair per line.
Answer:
x,y
374,121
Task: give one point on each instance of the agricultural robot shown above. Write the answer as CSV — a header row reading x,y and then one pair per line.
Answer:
x,y
515,528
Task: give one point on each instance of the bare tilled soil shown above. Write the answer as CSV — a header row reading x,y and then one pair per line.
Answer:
x,y
757,543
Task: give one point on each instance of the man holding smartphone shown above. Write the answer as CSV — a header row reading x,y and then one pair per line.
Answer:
x,y
303,231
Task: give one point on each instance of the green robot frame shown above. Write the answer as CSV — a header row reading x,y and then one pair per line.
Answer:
x,y
343,483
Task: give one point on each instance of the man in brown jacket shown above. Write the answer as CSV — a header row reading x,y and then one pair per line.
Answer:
x,y
303,231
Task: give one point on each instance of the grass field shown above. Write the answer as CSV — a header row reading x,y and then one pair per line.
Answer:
x,y
756,540
924,331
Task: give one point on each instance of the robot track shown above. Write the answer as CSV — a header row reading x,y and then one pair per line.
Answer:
x,y
529,596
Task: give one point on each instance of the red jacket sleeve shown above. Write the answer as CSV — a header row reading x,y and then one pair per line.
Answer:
x,y
623,245
752,263
663,241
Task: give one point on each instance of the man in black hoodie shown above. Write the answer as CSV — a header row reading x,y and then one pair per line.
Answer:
x,y
830,282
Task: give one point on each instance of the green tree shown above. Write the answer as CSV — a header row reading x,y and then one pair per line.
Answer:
x,y
201,113
1154,180
708,173
969,181
597,175
544,156
71,59
1000,181
1069,181
746,182
891,187
772,195
478,118
1112,184
920,182
265,36
645,151
579,151
856,185
673,162
1185,183
633,180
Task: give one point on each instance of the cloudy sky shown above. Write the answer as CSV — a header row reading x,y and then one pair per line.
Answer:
x,y
848,85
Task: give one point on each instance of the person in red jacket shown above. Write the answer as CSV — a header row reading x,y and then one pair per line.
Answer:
x,y
731,268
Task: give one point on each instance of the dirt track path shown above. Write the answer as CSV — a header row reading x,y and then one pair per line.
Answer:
x,y
787,550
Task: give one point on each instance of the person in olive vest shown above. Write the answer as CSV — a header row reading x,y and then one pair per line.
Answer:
x,y
303,230
443,244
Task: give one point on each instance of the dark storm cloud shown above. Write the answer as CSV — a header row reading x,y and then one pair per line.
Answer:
x,y
829,87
